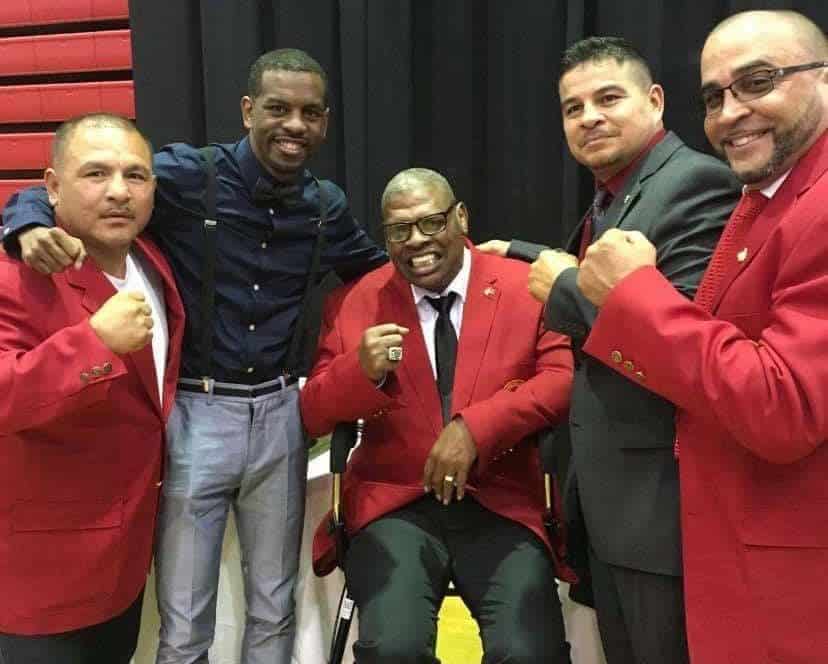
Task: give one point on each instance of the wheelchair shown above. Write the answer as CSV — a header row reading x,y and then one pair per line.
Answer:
x,y
554,452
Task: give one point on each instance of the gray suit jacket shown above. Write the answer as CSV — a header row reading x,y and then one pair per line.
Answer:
x,y
621,434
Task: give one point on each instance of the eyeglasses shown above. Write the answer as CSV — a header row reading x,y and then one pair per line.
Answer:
x,y
428,225
750,86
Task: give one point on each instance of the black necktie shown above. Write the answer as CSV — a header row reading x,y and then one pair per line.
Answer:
x,y
445,346
269,194
602,201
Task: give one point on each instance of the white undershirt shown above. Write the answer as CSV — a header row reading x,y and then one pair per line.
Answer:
x,y
141,276
428,314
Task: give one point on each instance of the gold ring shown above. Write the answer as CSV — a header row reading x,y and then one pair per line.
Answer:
x,y
394,353
448,479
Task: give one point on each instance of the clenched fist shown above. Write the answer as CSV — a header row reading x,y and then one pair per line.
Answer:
x,y
373,349
124,322
611,258
49,250
545,272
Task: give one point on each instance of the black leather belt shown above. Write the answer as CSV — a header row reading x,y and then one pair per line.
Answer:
x,y
236,389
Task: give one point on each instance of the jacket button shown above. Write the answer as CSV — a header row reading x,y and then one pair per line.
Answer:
x,y
84,377
640,375
629,366
616,356
107,367
97,371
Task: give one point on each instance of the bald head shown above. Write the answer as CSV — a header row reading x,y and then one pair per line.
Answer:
x,y
417,179
66,131
806,34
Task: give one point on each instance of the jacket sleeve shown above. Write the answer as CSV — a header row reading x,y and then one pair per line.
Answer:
x,y
27,208
768,392
323,401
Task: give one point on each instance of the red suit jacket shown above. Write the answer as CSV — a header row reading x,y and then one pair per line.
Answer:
x,y
82,443
511,380
751,384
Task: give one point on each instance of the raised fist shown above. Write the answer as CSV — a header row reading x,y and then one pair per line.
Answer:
x,y
124,322
374,356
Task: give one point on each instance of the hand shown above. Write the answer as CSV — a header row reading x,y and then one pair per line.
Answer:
x,y
494,247
49,250
452,455
545,272
124,322
373,349
611,258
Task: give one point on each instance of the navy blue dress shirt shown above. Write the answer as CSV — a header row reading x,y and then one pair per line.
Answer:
x,y
262,261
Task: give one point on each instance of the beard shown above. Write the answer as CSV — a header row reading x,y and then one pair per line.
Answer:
x,y
786,144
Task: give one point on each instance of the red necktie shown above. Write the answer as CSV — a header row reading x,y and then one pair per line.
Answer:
x,y
725,254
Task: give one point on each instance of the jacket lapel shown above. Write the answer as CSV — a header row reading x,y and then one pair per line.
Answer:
x,y
415,369
94,286
630,193
809,169
482,298
175,324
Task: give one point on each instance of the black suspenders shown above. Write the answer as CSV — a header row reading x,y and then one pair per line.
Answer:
x,y
293,362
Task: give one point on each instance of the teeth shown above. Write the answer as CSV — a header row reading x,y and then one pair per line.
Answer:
x,y
743,140
424,261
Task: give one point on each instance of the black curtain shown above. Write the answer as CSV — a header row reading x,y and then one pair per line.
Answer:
x,y
467,87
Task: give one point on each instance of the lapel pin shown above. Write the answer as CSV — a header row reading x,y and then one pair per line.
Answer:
x,y
742,255
489,291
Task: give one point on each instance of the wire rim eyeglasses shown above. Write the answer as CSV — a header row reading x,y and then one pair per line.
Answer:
x,y
751,86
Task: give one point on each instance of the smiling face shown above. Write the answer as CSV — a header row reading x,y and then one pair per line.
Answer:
x,y
428,261
102,187
763,138
287,121
609,114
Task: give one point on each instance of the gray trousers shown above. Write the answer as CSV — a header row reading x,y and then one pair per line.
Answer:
x,y
247,453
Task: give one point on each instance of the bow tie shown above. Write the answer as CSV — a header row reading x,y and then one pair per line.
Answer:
x,y
267,194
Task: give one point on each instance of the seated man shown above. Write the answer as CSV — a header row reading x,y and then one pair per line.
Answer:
x,y
387,354
88,366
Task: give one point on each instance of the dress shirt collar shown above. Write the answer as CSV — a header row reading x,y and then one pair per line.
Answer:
x,y
616,182
251,168
773,187
459,284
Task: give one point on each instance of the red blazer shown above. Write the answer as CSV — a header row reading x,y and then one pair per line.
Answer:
x,y
751,384
511,380
82,443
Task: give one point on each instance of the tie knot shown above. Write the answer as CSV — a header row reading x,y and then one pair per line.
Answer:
x,y
280,193
442,304
602,199
752,204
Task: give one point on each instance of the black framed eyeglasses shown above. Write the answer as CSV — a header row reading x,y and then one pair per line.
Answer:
x,y
750,86
429,225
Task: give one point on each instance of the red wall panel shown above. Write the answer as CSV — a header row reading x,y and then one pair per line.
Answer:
x,y
79,52
25,151
60,101
44,12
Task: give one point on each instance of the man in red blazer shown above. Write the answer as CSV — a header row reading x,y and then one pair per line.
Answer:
x,y
88,367
386,355
746,362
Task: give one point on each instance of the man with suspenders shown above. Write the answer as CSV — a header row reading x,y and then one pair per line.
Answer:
x,y
248,231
